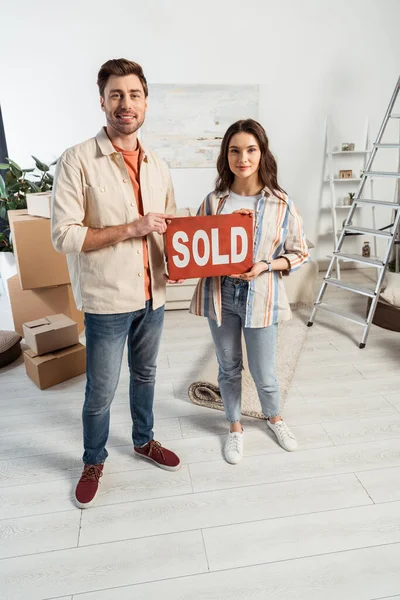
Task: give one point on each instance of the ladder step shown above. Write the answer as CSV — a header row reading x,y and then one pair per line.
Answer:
x,y
381,174
360,259
394,116
394,205
349,287
386,145
340,313
366,231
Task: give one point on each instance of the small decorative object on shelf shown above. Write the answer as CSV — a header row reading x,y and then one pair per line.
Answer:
x,y
348,201
348,147
345,174
366,250
345,147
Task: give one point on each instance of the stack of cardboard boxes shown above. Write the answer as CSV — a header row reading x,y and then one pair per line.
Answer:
x,y
41,289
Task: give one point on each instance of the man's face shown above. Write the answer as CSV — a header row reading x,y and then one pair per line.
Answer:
x,y
124,103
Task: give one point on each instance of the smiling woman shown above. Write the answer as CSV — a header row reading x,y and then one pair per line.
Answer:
x,y
251,303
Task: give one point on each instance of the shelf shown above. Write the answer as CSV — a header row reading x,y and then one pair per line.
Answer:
x,y
349,152
345,206
349,180
359,258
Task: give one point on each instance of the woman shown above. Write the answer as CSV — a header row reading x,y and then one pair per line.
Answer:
x,y
255,301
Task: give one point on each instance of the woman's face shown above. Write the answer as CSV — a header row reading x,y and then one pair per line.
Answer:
x,y
244,155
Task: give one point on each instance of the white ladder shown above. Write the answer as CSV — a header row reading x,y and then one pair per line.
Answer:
x,y
349,229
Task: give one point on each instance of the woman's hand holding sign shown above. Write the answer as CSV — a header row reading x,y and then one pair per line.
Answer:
x,y
254,272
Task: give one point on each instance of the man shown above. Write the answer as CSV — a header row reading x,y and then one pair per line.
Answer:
x,y
111,200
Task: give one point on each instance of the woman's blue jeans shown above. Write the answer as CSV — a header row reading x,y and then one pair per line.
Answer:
x,y
261,350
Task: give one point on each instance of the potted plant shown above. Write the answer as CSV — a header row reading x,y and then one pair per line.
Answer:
x,y
13,190
348,200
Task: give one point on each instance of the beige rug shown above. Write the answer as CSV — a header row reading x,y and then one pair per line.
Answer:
x,y
291,337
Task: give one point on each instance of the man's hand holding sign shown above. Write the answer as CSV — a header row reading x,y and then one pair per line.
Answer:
x,y
210,246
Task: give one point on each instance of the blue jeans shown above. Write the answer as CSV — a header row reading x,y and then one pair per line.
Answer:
x,y
260,346
105,341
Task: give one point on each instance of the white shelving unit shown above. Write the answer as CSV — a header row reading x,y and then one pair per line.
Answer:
x,y
334,162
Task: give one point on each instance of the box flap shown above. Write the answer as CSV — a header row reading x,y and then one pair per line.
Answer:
x,y
37,323
60,317
66,351
38,360
15,216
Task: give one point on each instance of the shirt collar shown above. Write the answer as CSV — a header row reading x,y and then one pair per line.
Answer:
x,y
107,148
265,192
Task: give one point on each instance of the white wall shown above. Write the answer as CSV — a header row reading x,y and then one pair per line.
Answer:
x,y
311,57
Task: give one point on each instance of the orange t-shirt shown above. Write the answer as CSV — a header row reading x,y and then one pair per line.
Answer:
x,y
133,160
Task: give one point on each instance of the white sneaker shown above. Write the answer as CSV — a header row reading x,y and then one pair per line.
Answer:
x,y
283,434
234,447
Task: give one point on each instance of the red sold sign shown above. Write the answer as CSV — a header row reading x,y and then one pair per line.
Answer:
x,y
209,246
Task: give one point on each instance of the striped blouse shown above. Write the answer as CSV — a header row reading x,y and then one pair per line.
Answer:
x,y
278,233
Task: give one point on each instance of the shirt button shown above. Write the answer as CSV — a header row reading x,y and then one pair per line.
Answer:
x,y
138,251
102,189
126,180
139,274
132,204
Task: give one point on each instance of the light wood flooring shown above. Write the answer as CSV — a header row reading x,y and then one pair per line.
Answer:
x,y
322,523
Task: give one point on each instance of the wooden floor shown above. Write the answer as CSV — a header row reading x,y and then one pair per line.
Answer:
x,y
322,523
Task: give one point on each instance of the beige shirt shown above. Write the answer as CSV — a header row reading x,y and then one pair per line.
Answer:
x,y
92,188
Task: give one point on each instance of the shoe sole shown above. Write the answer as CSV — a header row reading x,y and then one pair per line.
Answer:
x,y
85,505
233,463
164,467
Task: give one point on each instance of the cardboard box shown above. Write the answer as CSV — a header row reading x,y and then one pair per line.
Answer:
x,y
39,205
50,333
27,305
56,367
38,264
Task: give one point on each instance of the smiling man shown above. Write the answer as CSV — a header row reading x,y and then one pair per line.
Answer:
x,y
111,200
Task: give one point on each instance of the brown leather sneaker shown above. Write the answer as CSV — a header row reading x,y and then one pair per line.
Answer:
x,y
87,487
160,456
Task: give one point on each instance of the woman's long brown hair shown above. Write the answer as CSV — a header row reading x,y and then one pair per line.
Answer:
x,y
268,170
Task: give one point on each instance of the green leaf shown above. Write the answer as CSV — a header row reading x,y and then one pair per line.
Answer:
x,y
40,165
10,177
14,187
33,186
16,169
28,170
3,212
4,167
3,190
54,163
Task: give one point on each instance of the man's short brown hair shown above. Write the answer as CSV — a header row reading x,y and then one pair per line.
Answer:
x,y
120,67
